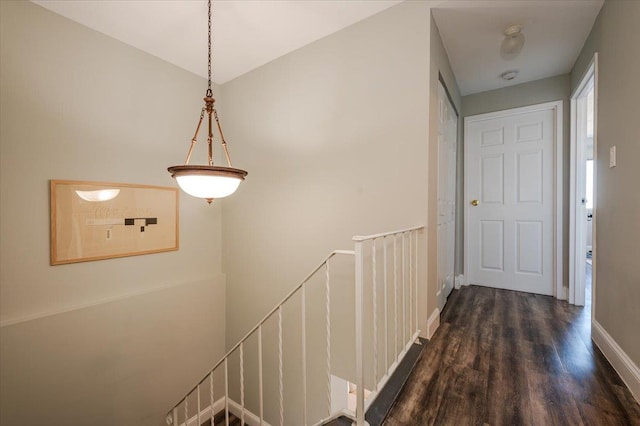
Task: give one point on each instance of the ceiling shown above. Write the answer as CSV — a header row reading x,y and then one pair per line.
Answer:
x,y
246,34
471,30
250,33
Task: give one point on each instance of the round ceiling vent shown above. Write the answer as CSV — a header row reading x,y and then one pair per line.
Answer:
x,y
509,75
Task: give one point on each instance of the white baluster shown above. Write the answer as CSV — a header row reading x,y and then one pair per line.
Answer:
x,y
359,258
386,324
404,301
198,413
186,410
261,382
395,293
416,279
226,391
280,372
375,314
328,333
410,285
211,399
175,416
304,355
242,383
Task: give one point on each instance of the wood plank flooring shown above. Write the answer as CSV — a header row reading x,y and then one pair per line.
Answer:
x,y
508,358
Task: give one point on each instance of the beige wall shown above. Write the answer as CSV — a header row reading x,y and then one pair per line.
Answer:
x,y
335,139
78,105
334,136
125,362
616,36
439,64
531,93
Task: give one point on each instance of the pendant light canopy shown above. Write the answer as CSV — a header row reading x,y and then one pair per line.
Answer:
x,y
208,181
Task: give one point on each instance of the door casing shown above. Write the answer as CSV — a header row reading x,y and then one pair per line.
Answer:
x,y
556,107
446,251
576,226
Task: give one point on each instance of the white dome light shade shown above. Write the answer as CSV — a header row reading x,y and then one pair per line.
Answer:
x,y
512,43
208,186
99,195
208,182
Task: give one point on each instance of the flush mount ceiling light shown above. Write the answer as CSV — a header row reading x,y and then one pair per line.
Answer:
x,y
513,42
509,75
208,181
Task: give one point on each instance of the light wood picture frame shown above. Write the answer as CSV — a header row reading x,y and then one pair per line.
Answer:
x,y
101,220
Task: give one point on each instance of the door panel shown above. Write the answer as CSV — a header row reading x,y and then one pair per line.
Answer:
x,y
529,172
492,176
529,238
492,245
509,165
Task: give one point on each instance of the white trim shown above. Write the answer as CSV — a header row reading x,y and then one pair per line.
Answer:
x,y
433,323
459,281
205,413
584,78
234,408
619,360
576,281
249,418
558,231
341,413
64,310
558,287
371,397
443,96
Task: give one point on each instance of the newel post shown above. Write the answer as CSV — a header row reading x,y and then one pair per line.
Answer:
x,y
359,309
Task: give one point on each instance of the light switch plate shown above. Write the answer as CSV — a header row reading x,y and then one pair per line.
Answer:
x,y
612,156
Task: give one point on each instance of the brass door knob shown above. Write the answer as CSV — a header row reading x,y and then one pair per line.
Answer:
x,y
474,202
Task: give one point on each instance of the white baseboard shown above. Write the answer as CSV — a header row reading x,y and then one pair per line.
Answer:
x,y
433,323
563,294
249,418
627,369
234,408
205,413
459,281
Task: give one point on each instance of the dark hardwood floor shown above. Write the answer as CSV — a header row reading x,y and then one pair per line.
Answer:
x,y
508,358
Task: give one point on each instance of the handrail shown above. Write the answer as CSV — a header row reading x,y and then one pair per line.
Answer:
x,y
266,317
359,238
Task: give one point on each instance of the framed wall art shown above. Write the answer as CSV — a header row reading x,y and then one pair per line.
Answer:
x,y
97,220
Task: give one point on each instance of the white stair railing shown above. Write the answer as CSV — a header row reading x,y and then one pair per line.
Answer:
x,y
405,304
402,313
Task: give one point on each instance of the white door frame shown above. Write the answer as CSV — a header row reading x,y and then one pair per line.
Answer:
x,y
558,285
447,98
577,228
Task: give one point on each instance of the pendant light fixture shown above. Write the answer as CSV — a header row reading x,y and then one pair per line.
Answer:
x,y
208,181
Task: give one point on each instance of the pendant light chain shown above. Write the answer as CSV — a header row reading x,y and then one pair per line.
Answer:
x,y
209,91
208,181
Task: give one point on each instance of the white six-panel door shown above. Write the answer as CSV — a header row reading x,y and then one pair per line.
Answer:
x,y
509,196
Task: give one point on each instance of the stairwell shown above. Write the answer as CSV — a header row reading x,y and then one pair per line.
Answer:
x,y
299,363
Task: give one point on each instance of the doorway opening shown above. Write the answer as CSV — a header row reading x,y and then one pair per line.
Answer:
x,y
582,236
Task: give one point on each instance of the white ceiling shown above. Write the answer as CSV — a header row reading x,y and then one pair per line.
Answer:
x,y
471,30
246,34
250,33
